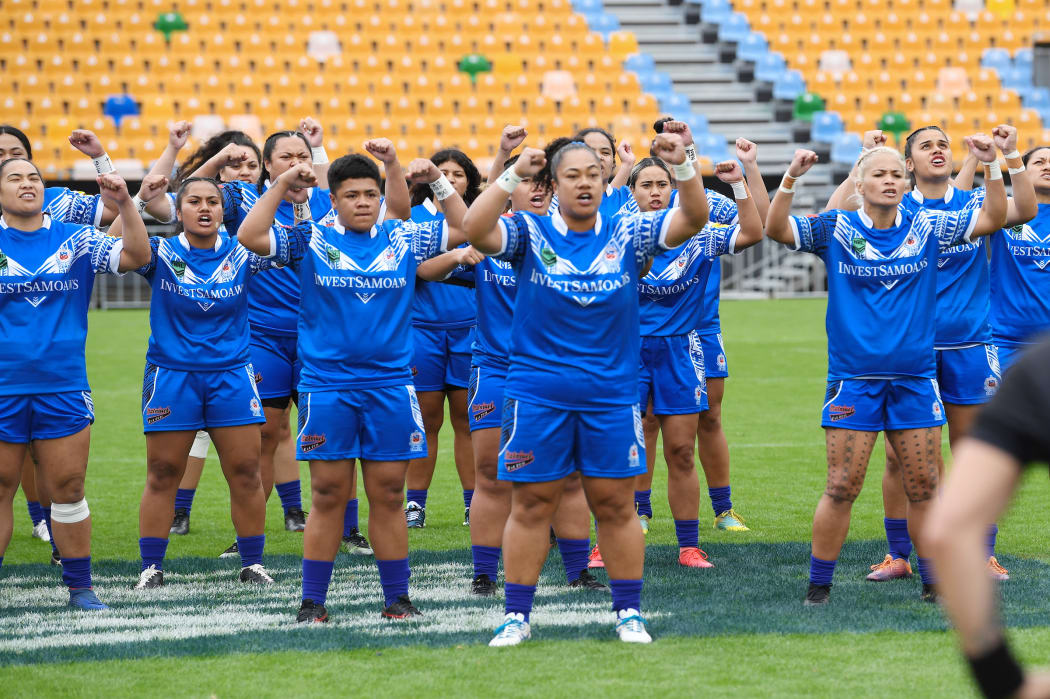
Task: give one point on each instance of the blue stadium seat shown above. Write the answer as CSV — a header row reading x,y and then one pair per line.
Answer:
x,y
588,7
752,47
711,145
655,81
826,126
116,107
716,11
697,124
676,104
846,148
1037,98
639,63
790,85
996,59
734,28
1023,59
770,68
603,23
1014,78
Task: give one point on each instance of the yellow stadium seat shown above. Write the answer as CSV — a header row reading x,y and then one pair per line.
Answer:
x,y
622,44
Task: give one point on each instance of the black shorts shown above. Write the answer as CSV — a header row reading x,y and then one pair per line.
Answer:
x,y
1017,418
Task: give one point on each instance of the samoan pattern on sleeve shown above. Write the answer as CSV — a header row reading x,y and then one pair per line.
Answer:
x,y
516,234
814,231
950,227
722,209
976,199
644,230
716,239
150,267
292,242
425,237
257,263
237,200
75,207
101,247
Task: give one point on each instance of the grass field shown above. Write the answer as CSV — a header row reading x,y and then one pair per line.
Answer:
x,y
737,628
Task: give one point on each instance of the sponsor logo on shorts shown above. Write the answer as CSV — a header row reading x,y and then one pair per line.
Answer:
x,y
309,442
720,360
514,460
991,385
415,441
840,412
255,407
258,378
632,456
156,414
482,410
937,410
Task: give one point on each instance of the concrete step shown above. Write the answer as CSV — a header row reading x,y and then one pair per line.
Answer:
x,y
686,73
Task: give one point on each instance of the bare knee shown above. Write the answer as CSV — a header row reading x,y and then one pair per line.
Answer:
x,y
243,474
612,510
327,495
841,494
161,475
275,431
487,474
711,420
388,494
679,456
920,487
531,508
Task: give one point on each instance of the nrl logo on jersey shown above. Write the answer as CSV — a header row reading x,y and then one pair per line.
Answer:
x,y
3,263
548,256
178,266
333,254
859,246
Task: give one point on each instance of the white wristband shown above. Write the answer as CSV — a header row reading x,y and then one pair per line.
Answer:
x,y
442,188
683,171
509,180
318,155
139,204
739,189
690,153
1012,155
1015,170
993,171
103,165
786,189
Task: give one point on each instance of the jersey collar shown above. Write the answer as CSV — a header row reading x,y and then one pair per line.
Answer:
x,y
46,224
563,228
186,243
342,229
430,207
866,220
948,195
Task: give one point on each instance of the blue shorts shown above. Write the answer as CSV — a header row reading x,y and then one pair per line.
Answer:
x,y
378,424
874,405
1008,355
441,358
539,444
485,397
44,416
715,366
672,374
276,362
969,375
196,400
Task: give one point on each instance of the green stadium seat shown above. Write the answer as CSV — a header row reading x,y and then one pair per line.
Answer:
x,y
474,63
170,22
895,123
806,105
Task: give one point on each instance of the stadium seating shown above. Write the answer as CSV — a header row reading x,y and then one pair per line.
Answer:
x,y
427,73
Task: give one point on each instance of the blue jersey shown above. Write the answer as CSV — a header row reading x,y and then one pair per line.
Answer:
x,y
273,299
356,307
1021,281
198,312
496,287
672,294
67,206
46,277
440,305
882,287
962,275
710,323
574,337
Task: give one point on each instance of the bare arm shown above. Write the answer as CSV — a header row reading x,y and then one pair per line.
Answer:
x,y
992,215
512,137
254,231
480,223
437,268
230,155
747,208
135,240
311,128
398,200
87,143
627,160
153,186
747,153
964,180
777,226
158,207
1022,206
693,210
422,170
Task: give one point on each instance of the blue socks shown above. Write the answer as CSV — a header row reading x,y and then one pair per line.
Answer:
x,y
626,594
688,532
993,532
417,496
820,571
291,494
925,570
519,599
316,577
184,499
897,537
468,495
251,549
642,503
36,513
152,550
393,576
76,572
721,499
486,560
350,517
574,553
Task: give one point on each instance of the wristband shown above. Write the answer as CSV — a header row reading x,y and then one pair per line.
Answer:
x,y
690,153
442,188
683,171
1015,170
996,672
993,171
786,187
103,165
509,180
739,189
302,212
139,204
318,155
1013,154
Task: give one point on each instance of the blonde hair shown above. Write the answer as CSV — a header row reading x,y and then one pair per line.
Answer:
x,y
864,164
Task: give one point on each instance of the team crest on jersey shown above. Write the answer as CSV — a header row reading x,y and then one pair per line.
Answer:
x,y
178,266
309,442
388,260
255,407
225,273
64,258
633,459
911,242
415,441
610,260
515,460
991,385
154,415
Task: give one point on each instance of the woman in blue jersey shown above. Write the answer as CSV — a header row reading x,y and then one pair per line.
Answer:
x,y
356,399
968,369
882,369
571,395
672,389
442,328
47,270
199,376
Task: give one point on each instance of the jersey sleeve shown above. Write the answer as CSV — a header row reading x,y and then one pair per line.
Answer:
x,y
84,209
514,230
429,238
716,239
812,233
150,267
258,263
288,244
233,209
722,208
952,227
648,232
976,200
